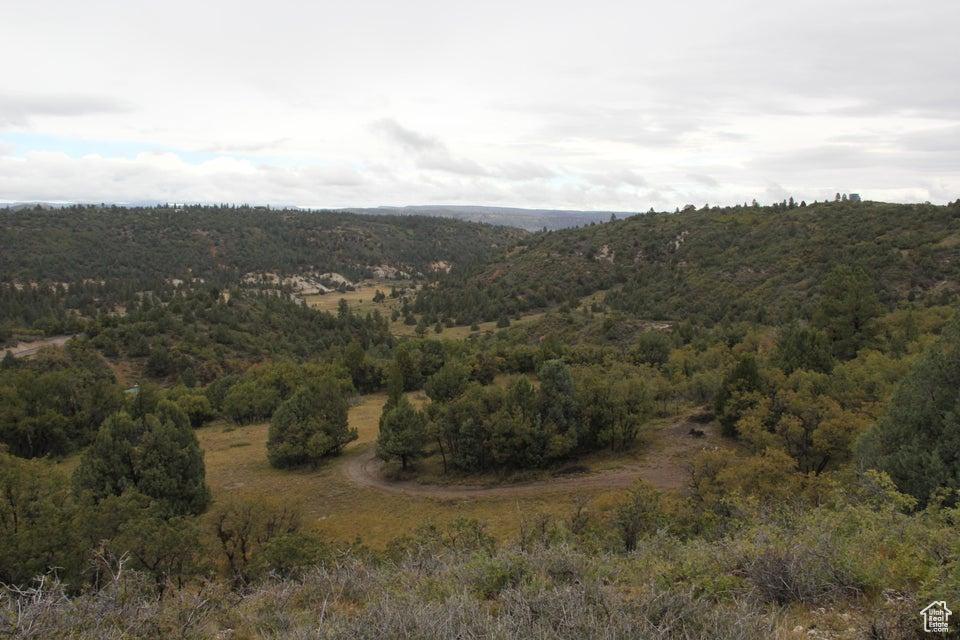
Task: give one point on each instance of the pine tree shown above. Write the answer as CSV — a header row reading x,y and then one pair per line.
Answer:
x,y
311,425
403,433
448,383
157,455
846,310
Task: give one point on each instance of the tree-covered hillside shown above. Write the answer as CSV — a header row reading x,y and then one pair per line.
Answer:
x,y
745,263
221,243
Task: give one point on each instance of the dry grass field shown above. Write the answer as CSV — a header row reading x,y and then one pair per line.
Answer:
x,y
237,468
344,510
341,502
361,301
361,298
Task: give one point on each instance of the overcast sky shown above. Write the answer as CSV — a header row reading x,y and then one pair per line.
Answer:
x,y
586,105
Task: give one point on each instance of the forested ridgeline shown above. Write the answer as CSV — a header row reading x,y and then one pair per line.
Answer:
x,y
220,244
763,264
61,266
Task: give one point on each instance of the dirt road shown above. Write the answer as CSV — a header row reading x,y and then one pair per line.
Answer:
x,y
25,349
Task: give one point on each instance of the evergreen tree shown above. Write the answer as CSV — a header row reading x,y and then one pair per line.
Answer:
x,y
36,521
846,310
472,451
559,411
157,455
740,391
311,425
407,361
366,376
801,347
394,386
403,433
448,383
172,462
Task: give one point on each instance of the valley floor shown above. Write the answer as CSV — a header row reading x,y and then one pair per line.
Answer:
x,y
354,496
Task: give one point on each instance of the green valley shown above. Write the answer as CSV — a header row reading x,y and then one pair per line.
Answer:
x,y
729,423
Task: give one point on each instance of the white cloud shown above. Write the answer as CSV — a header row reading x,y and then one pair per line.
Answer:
x,y
165,177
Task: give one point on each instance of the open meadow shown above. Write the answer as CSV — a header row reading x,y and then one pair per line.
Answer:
x,y
361,302
347,498
236,461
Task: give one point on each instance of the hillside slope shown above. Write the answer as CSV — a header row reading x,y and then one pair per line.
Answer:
x,y
222,243
743,263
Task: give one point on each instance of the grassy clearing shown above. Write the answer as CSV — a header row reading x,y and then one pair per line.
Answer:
x,y
237,465
361,298
237,468
361,301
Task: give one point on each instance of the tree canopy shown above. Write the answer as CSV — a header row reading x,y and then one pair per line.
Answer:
x,y
403,432
157,455
311,425
918,440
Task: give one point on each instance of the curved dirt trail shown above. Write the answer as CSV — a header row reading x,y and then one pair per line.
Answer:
x,y
665,466
27,349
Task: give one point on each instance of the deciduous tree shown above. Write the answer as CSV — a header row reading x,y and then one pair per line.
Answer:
x,y
918,441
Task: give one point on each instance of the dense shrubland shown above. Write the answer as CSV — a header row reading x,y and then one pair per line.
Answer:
x,y
515,425
653,567
54,403
234,354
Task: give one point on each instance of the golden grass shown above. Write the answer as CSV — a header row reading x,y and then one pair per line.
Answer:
x,y
361,298
361,302
365,418
67,465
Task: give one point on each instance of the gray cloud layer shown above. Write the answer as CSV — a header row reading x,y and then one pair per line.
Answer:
x,y
614,105
17,109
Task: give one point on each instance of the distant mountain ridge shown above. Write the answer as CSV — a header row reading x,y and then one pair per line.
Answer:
x,y
529,219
